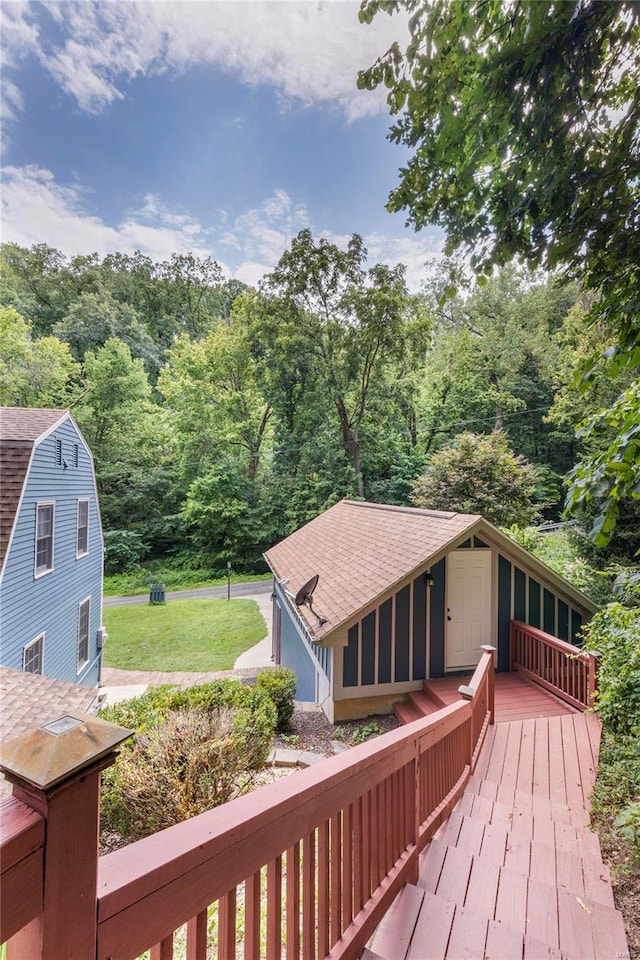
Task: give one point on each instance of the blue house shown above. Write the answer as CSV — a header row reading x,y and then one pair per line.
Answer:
x,y
51,548
371,601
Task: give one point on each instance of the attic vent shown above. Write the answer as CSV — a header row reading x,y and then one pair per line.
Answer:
x,y
58,453
76,455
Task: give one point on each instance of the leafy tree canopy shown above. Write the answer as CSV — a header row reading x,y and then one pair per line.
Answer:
x,y
523,121
479,474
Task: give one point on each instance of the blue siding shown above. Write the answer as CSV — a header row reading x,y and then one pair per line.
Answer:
x,y
293,654
30,605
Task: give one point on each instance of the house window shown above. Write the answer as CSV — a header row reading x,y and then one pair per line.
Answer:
x,y
59,452
84,610
76,454
82,535
45,513
33,655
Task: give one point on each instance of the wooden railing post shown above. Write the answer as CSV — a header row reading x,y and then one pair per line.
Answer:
x,y
55,770
592,679
491,695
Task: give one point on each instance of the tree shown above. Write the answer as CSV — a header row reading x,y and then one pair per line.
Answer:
x,y
34,373
96,317
523,121
479,474
346,320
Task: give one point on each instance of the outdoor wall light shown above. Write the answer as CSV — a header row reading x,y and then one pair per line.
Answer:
x,y
428,579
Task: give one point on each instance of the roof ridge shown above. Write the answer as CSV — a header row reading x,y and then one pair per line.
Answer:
x,y
413,511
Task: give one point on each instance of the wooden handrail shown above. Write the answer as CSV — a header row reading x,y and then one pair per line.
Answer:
x,y
313,861
22,834
565,670
335,843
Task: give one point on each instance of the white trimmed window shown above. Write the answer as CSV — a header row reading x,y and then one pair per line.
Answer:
x,y
84,611
82,529
33,655
45,517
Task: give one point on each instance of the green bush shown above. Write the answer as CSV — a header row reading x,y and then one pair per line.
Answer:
x,y
123,551
195,749
280,685
614,633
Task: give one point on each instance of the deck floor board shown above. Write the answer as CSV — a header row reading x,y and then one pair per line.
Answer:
x,y
516,871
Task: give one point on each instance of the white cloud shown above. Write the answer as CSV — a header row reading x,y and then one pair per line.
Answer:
x,y
307,51
37,209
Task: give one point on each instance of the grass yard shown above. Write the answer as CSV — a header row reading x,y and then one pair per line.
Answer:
x,y
197,635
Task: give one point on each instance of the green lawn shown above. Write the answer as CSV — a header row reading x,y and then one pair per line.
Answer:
x,y
197,635
138,581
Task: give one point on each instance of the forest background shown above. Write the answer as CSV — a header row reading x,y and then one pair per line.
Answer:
x,y
222,417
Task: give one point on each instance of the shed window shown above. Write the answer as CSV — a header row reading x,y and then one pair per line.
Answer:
x,y
82,536
84,610
58,453
45,513
33,655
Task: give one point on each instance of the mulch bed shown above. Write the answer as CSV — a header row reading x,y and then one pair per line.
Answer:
x,y
310,730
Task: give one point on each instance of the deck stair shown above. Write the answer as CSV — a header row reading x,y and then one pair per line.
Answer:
x,y
420,703
510,875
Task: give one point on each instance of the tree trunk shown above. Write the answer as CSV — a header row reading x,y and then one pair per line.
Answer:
x,y
350,443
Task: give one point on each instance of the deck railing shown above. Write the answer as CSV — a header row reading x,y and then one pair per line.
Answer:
x,y
21,866
565,670
306,866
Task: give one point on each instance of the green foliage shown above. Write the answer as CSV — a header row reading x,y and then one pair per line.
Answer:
x,y
479,474
628,824
280,685
523,124
123,550
366,730
188,635
611,475
195,749
616,795
615,633
38,372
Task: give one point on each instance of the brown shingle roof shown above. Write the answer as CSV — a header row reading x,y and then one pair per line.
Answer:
x,y
14,461
27,423
20,427
360,550
28,700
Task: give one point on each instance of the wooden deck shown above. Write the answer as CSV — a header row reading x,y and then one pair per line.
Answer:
x,y
514,873
516,697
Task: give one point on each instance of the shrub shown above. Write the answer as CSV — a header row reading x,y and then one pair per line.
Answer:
x,y
190,763
195,749
279,684
615,633
123,550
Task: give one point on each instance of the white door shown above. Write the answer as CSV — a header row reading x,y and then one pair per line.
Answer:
x,y
468,623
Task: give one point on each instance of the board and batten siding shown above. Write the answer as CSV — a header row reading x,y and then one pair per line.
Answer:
x,y
526,597
390,644
49,604
310,662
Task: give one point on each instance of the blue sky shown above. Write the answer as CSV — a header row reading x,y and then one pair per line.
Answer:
x,y
217,127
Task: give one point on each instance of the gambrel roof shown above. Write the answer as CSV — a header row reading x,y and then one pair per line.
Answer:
x,y
20,429
362,550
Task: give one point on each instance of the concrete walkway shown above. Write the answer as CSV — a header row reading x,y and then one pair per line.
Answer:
x,y
120,685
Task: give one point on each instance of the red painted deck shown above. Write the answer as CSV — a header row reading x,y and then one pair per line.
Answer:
x,y
516,697
514,873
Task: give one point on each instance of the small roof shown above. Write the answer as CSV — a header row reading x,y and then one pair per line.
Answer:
x,y
28,700
360,550
20,428
27,423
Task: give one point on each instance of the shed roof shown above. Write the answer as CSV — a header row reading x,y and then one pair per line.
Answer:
x,y
360,550
20,428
